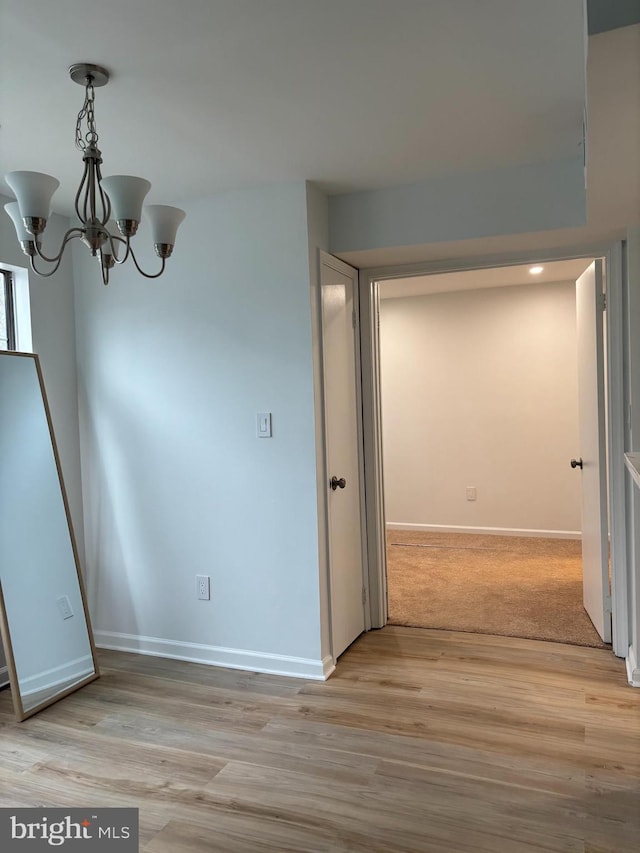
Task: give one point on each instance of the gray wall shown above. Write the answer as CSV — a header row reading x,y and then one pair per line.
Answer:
x,y
171,375
514,200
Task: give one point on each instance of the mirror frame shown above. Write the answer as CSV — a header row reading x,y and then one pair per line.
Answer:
x,y
14,684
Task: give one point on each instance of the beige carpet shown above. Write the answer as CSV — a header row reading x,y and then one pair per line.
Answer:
x,y
512,586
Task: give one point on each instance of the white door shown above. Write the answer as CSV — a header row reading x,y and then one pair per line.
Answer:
x,y
591,402
339,361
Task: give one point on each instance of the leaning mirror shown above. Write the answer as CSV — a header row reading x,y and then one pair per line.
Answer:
x,y
44,619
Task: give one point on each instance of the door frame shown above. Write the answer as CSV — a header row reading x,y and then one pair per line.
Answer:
x,y
614,256
590,304
324,258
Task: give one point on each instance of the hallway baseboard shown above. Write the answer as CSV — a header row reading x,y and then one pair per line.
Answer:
x,y
633,671
485,531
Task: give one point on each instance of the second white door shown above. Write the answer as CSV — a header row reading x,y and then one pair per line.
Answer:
x,y
338,283
591,403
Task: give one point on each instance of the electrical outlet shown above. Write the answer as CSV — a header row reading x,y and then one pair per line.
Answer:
x,y
471,493
203,587
64,606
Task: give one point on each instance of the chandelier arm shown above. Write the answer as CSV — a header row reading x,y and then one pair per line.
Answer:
x,y
146,274
88,205
79,193
127,243
92,191
104,198
44,274
85,210
71,233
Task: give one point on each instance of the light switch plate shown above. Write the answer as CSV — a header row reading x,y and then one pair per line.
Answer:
x,y
264,424
64,606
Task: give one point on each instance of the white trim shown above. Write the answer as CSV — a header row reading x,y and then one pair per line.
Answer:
x,y
475,262
374,501
616,404
632,433
490,531
373,495
22,307
633,672
632,463
328,666
4,676
66,674
245,659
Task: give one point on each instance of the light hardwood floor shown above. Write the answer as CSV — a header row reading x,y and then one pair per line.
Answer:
x,y
422,740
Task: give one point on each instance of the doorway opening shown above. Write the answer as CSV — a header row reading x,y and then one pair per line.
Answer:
x,y
483,416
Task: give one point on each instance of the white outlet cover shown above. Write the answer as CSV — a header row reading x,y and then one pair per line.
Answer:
x,y
203,587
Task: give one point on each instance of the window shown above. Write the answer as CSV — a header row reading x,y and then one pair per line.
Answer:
x,y
7,311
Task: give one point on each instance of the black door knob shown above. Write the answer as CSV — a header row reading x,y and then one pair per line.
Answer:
x,y
338,483
576,463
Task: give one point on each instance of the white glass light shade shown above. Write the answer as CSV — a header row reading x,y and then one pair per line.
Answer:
x,y
164,222
33,191
13,209
126,195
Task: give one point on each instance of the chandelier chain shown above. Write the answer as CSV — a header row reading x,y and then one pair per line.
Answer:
x,y
91,136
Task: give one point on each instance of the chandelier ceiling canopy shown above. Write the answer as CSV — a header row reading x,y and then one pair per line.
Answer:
x,y
109,208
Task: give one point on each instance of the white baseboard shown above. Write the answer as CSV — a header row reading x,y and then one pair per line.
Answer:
x,y
328,666
4,676
310,668
490,531
633,673
57,676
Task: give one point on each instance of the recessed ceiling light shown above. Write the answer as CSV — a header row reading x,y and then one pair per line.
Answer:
x,y
536,270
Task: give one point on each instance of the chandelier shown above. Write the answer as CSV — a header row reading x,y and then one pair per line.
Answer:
x,y
96,200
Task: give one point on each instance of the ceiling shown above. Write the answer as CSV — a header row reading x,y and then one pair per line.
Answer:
x,y
214,95
483,278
